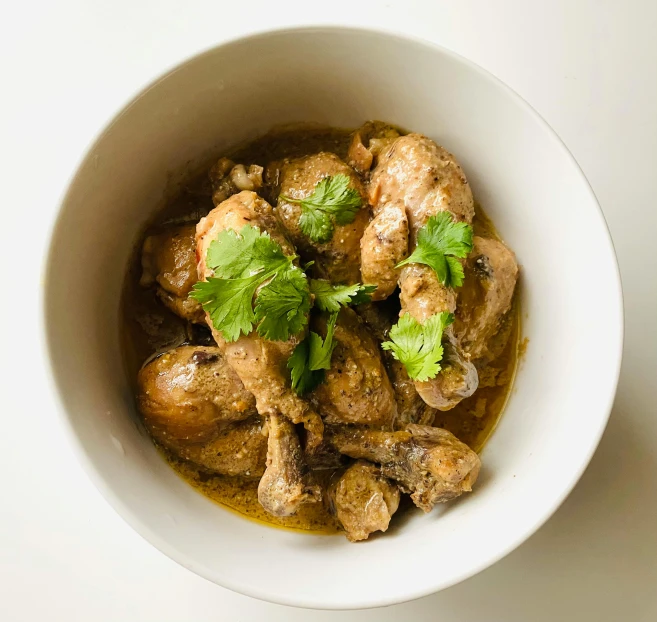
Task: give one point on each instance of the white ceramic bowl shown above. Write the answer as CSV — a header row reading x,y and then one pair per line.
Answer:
x,y
529,184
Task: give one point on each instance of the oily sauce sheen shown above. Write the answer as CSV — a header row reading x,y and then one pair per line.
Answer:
x,y
149,328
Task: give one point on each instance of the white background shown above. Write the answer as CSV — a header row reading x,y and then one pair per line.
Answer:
x,y
589,67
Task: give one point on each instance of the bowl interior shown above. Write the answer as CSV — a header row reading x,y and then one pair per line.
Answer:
x,y
520,173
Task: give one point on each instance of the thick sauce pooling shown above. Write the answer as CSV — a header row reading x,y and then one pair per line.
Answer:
x,y
152,324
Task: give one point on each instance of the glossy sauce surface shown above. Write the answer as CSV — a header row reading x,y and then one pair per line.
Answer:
x,y
149,328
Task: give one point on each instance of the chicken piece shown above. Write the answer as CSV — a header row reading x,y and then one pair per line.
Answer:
x,y
239,449
285,485
228,178
491,273
411,408
187,395
425,177
195,405
383,245
168,261
259,363
457,379
356,389
239,210
377,135
323,457
422,295
359,156
427,180
363,500
430,463
338,259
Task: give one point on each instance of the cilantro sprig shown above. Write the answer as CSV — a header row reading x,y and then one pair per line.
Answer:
x,y
331,297
439,245
311,358
244,263
282,306
418,346
333,199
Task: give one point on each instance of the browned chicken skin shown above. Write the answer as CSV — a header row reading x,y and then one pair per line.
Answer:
x,y
259,363
411,408
383,245
430,463
193,403
422,294
491,273
427,179
363,500
239,449
356,389
168,261
187,395
285,485
338,259
323,456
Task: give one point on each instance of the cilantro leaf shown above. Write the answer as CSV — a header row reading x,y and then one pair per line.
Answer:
x,y
320,350
332,196
418,346
317,225
313,355
304,379
311,358
243,262
335,195
330,297
455,271
363,295
229,303
282,305
439,242
233,255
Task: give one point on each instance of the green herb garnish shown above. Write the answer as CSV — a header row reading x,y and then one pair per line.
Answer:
x,y
332,199
331,297
311,358
418,346
243,262
439,243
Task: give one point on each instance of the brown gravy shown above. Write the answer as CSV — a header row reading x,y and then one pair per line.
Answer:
x,y
148,327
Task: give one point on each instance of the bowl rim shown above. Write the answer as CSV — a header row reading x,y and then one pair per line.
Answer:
x,y
83,454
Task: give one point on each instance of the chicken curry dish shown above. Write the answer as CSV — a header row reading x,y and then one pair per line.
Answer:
x,y
321,329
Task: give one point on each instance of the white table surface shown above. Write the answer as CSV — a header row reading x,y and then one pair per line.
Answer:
x,y
589,67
